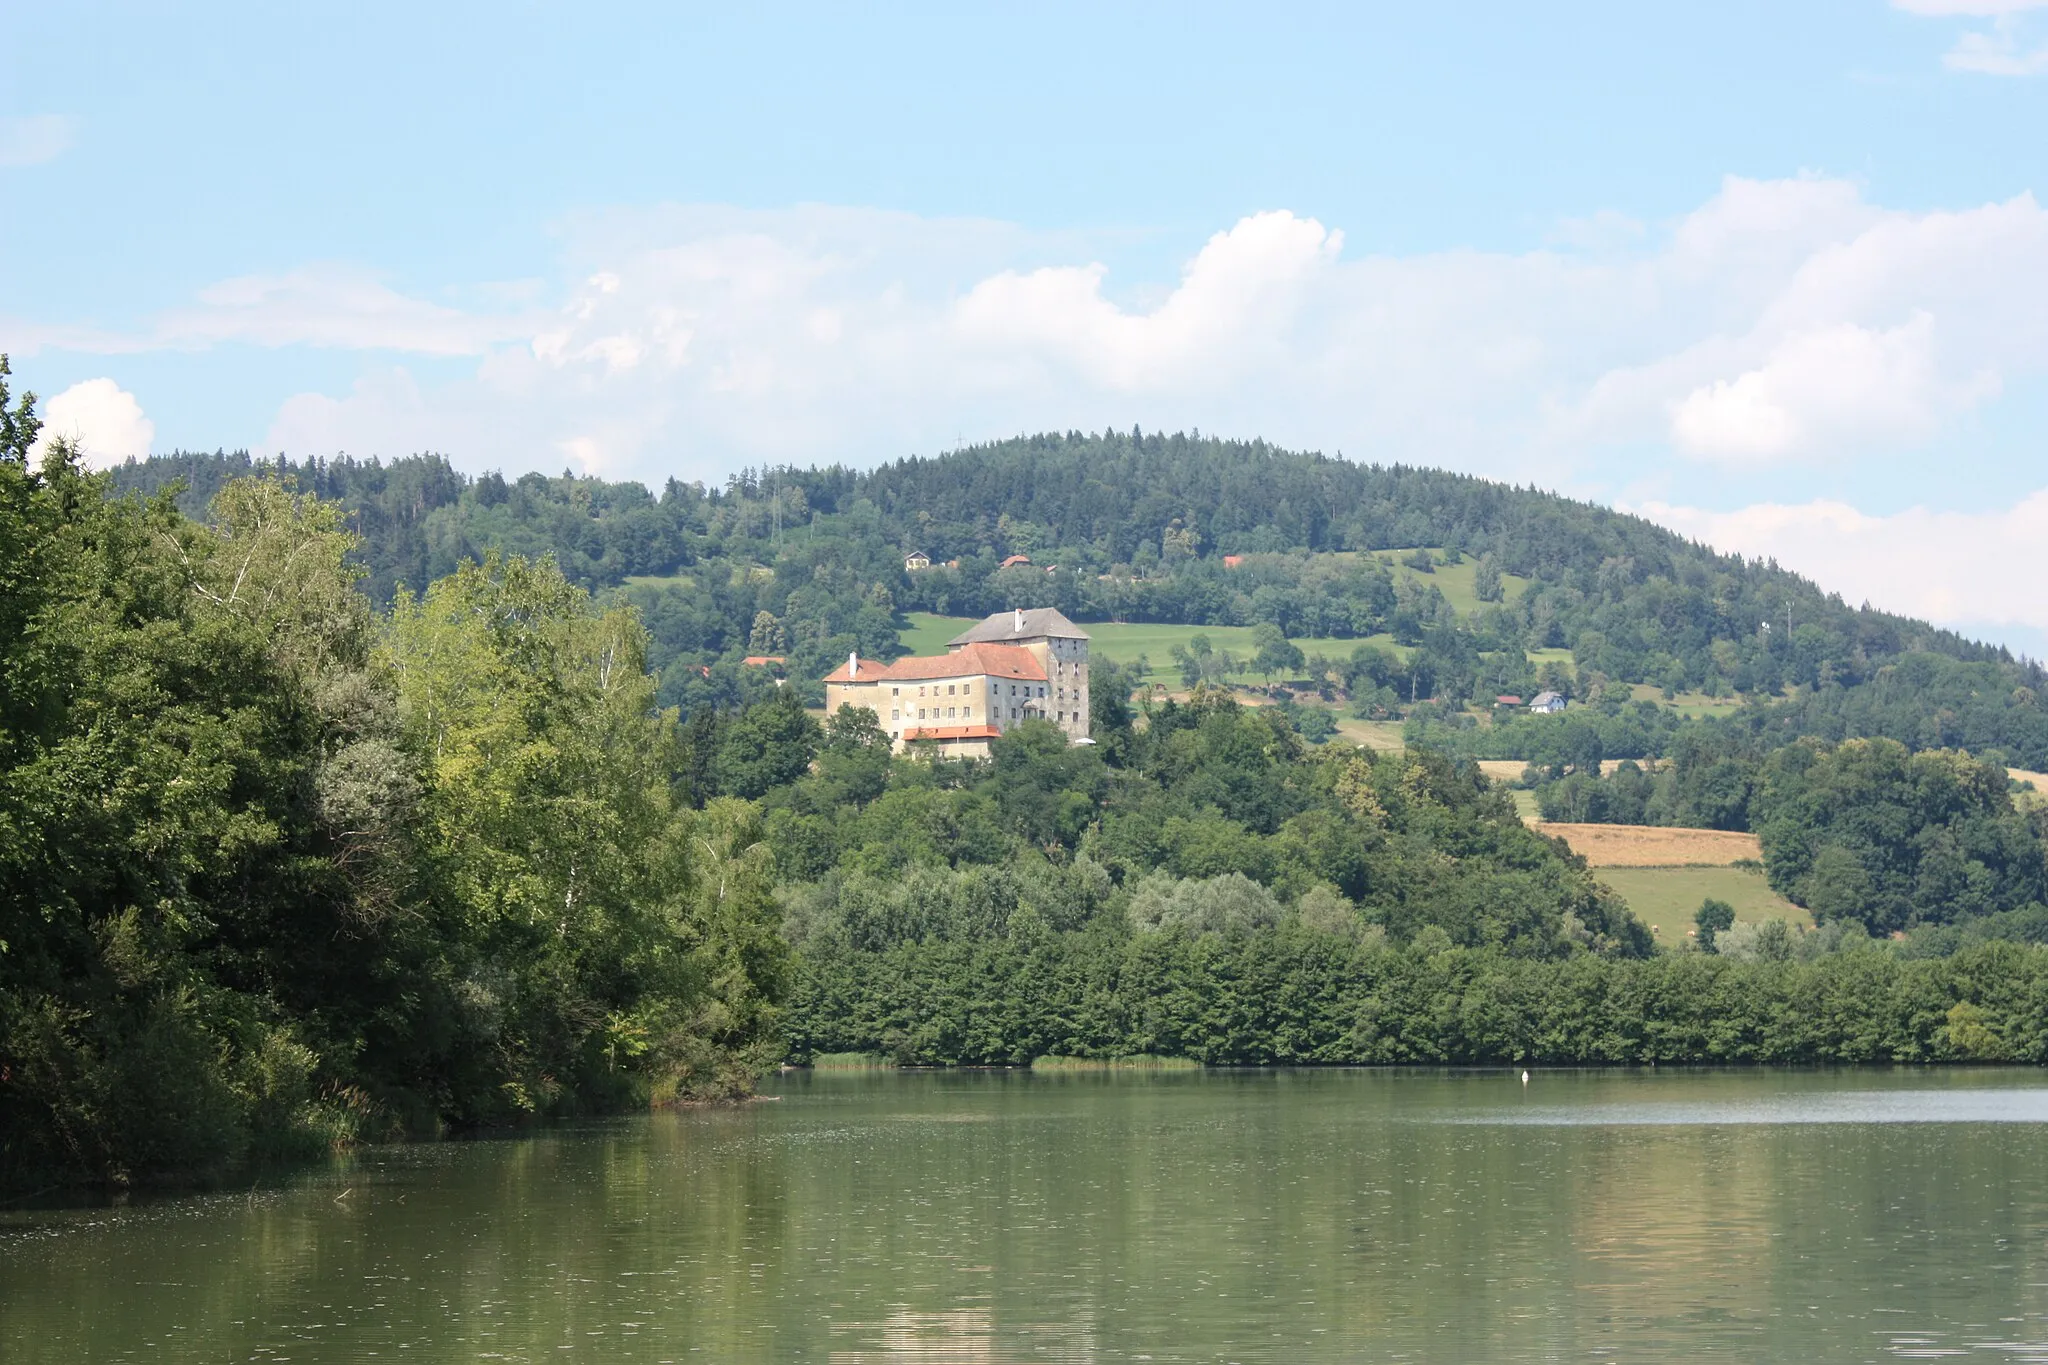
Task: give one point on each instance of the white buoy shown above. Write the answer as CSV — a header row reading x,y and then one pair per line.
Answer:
x,y
1525,1078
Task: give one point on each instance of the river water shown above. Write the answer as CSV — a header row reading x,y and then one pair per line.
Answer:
x,y
996,1217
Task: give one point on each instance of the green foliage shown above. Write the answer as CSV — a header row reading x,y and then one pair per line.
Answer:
x,y
1138,525
275,878
1867,830
1290,995
1712,918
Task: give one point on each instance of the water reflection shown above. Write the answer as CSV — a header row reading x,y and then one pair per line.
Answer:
x,y
1248,1216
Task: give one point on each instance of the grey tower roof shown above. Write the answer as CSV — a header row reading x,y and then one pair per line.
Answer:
x,y
1003,628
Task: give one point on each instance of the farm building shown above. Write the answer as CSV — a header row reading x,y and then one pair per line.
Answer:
x,y
1014,666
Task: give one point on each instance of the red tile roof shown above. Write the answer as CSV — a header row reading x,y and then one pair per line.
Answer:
x,y
953,732
1014,560
763,660
969,661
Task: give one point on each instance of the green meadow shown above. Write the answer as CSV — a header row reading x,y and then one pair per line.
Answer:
x,y
1666,897
1453,580
1126,643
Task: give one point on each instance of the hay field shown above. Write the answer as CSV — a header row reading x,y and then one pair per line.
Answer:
x,y
1655,845
2040,780
1502,769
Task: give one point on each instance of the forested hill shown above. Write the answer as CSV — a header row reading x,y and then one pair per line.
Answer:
x,y
809,563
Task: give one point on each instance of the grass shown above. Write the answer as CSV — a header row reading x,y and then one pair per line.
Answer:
x,y
851,1061
1655,845
1372,734
1138,1062
1453,580
1694,704
642,580
1123,643
1666,897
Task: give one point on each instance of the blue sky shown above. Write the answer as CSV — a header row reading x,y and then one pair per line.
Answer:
x,y
1775,274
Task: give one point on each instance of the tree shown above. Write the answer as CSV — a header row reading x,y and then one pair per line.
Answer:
x,y
1486,584
1713,917
766,746
767,635
1274,652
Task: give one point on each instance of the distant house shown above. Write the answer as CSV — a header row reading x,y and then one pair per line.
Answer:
x,y
1013,561
1546,703
915,560
1507,699
764,661
1232,561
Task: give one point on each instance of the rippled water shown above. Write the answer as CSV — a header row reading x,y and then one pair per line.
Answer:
x,y
1457,1216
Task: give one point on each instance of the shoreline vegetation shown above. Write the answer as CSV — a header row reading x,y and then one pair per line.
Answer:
x,y
384,803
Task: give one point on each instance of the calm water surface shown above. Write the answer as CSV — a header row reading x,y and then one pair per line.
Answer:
x,y
996,1217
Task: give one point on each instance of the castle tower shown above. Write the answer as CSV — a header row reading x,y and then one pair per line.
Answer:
x,y
1061,648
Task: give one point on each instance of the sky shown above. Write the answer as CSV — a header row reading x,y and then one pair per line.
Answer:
x,y
1773,275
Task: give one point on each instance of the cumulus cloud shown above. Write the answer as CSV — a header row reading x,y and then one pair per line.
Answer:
x,y
102,419
1981,568
1837,385
33,140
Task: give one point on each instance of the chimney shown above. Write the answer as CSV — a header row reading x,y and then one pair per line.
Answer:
x,y
1018,629
852,664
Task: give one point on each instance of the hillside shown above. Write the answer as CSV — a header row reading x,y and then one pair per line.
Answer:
x,y
1135,528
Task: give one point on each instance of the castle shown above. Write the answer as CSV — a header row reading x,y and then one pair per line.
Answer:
x,y
1014,666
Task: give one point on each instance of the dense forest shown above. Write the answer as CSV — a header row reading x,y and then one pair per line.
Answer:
x,y
1135,527
343,800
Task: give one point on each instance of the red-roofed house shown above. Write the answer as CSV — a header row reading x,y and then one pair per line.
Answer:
x,y
1232,561
1013,561
1012,667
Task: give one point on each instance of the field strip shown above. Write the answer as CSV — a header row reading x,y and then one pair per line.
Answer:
x,y
1655,845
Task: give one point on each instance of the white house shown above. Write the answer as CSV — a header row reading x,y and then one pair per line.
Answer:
x,y
1546,703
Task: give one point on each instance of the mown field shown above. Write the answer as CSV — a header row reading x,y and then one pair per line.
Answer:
x,y
1655,845
1666,897
1126,643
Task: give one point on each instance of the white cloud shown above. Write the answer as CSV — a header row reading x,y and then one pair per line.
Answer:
x,y
333,305
1979,9
1955,567
1244,288
33,140
1780,320
102,418
2003,51
1837,385
1998,53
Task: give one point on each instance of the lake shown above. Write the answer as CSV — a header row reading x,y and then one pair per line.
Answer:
x,y
1174,1216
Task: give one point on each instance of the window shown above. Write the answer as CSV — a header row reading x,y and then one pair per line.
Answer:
x,y
895,713
949,689
895,691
